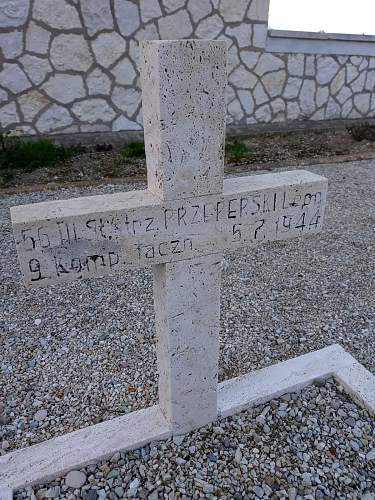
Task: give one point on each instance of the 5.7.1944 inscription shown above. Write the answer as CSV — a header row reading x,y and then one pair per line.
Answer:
x,y
102,242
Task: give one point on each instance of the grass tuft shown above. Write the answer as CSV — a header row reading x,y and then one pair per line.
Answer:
x,y
362,132
236,150
134,149
30,155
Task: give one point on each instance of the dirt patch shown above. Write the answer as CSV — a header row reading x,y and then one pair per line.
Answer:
x,y
263,151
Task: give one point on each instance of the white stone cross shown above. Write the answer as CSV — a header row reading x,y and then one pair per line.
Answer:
x,y
180,225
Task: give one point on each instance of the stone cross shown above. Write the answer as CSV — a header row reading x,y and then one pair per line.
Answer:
x,y
180,225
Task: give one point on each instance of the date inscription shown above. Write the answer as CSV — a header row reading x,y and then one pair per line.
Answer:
x,y
78,247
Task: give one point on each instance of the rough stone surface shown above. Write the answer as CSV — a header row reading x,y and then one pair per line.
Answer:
x,y
247,101
13,13
198,10
307,97
8,115
12,77
259,35
65,88
108,48
268,63
370,81
11,44
127,16
292,88
258,10
296,65
326,69
123,123
31,104
3,95
337,82
333,108
362,102
127,100
263,113
210,27
129,251
150,9
97,15
260,95
274,83
235,110
322,95
70,52
358,84
93,110
40,415
204,69
173,5
37,39
233,11
293,111
57,14
175,26
240,34
344,94
55,117
242,78
98,82
124,72
36,68
188,383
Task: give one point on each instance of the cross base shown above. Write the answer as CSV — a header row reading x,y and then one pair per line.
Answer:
x,y
53,458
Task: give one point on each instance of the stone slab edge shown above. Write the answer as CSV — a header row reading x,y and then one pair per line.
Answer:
x,y
53,458
6,493
258,387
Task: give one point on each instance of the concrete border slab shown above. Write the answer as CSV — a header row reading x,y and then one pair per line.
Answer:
x,y
53,458
260,386
6,493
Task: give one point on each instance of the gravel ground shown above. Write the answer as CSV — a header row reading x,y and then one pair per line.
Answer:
x,y
313,445
78,354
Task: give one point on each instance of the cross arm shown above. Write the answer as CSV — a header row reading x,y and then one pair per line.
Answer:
x,y
100,235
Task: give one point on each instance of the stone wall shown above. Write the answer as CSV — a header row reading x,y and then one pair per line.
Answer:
x,y
69,66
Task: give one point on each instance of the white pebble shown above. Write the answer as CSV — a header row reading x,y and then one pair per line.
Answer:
x,y
75,479
40,415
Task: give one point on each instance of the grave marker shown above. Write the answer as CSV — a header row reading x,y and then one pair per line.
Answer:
x,y
180,226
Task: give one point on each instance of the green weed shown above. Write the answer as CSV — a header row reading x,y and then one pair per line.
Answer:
x,y
134,150
236,150
30,155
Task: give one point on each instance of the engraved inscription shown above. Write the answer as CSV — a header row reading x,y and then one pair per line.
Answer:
x,y
77,247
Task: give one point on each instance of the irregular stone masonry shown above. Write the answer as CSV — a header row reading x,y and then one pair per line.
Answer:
x,y
73,66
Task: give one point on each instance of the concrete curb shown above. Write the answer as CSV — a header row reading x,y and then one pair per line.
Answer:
x,y
53,458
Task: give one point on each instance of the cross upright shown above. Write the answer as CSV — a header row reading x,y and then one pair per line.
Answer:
x,y
180,225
